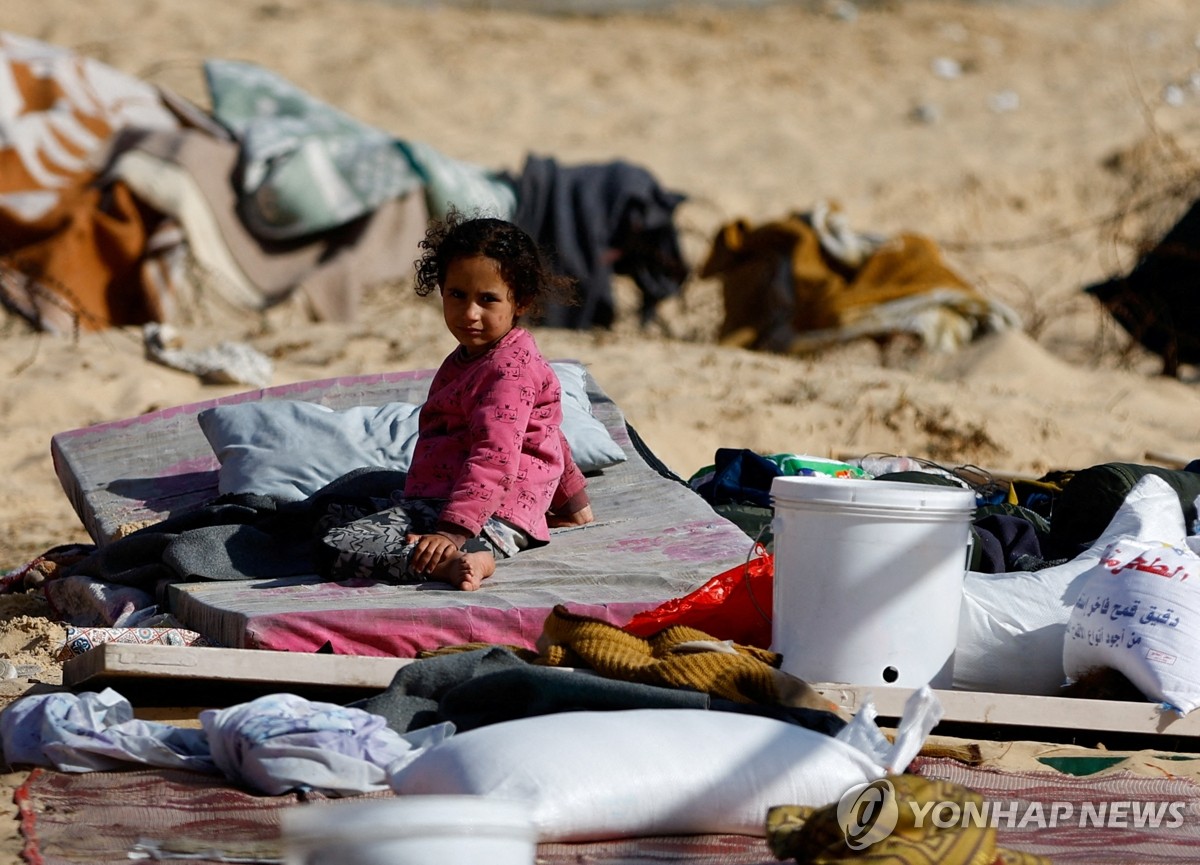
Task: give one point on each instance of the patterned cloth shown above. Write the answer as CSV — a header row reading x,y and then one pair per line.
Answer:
x,y
376,546
307,167
820,835
113,190
80,640
310,167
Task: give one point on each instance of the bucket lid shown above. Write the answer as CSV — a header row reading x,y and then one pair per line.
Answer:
x,y
408,815
885,495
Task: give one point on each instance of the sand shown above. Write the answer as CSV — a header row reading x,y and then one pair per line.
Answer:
x,y
1022,137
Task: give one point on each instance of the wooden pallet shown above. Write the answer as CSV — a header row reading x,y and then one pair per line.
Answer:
x,y
1024,716
165,675
147,673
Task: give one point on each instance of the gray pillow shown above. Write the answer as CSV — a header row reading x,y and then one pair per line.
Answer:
x,y
289,449
591,446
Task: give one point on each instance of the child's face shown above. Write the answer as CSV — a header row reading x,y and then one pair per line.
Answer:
x,y
477,303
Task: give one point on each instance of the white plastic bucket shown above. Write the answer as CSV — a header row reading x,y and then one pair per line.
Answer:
x,y
868,579
410,830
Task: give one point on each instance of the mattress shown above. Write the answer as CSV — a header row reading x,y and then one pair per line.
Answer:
x,y
654,539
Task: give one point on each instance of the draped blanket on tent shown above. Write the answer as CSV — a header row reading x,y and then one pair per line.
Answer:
x,y
117,206
73,249
1156,302
809,280
122,203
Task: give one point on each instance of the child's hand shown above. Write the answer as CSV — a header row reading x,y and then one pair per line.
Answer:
x,y
581,517
430,552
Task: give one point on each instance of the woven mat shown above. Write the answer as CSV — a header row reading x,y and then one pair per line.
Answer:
x,y
98,818
1117,840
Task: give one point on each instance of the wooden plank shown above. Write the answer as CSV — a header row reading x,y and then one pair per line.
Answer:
x,y
1023,710
118,664
232,673
1169,460
200,677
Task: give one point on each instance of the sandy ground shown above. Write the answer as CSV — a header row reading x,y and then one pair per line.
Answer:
x,y
1036,143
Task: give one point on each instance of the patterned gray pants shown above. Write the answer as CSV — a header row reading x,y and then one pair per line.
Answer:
x,y
374,546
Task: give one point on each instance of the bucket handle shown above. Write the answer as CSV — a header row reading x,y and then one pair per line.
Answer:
x,y
756,548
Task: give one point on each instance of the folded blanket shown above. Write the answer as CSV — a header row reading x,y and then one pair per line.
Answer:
x,y
678,657
235,537
488,685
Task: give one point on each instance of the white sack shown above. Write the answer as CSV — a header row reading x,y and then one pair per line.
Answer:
x,y
1138,612
632,773
1012,625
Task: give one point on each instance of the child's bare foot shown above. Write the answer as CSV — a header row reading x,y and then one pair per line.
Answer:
x,y
467,571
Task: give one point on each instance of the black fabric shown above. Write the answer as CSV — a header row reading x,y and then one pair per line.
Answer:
x,y
814,719
1004,543
411,701
1004,537
1158,302
1090,499
918,477
599,220
649,456
1041,526
237,537
524,692
740,476
487,686
1038,496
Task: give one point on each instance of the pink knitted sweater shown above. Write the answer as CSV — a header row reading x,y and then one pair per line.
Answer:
x,y
490,441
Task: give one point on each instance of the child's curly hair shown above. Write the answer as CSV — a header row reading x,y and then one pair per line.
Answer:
x,y
523,267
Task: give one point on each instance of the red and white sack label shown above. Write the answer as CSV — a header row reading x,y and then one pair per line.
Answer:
x,y
1138,612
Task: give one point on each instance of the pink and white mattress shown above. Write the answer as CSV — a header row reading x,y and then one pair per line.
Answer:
x,y
654,539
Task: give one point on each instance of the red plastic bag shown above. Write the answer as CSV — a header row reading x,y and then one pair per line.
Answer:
x,y
734,605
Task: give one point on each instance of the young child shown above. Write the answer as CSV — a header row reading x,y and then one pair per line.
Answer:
x,y
491,471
